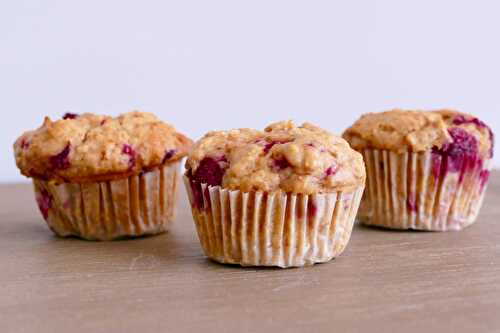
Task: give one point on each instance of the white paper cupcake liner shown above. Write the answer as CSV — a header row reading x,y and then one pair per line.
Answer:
x,y
134,206
404,191
271,229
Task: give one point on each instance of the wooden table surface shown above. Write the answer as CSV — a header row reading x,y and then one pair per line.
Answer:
x,y
384,281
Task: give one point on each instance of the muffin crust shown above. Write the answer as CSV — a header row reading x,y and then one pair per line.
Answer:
x,y
416,131
304,159
88,147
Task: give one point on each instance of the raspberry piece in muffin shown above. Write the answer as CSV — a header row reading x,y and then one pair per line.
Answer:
x,y
24,143
168,155
280,164
463,119
61,160
128,150
474,127
44,201
331,170
484,177
209,171
69,115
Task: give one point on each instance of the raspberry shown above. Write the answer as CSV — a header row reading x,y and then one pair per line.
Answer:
x,y
483,178
128,150
312,209
61,160
44,201
280,164
69,115
197,194
461,155
168,155
210,171
25,144
459,120
436,162
331,170
464,146
411,203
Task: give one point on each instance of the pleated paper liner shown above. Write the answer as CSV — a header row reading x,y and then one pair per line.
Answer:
x,y
134,206
271,229
416,191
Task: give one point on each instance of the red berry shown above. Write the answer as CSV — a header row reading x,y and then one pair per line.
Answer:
x,y
331,170
461,155
168,155
69,115
25,144
210,171
312,209
128,150
483,177
44,201
460,119
411,203
61,160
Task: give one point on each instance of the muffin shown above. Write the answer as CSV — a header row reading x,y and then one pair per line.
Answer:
x,y
426,170
286,196
102,178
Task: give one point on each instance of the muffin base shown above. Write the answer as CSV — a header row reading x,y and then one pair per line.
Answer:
x,y
271,229
135,206
410,191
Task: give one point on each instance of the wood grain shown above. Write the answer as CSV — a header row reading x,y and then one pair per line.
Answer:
x,y
385,281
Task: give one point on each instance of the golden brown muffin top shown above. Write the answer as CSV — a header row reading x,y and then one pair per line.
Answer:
x,y
89,147
402,130
304,159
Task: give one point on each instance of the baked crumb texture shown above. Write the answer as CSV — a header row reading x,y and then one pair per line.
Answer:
x,y
417,131
88,147
284,157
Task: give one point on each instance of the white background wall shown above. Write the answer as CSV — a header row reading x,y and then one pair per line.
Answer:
x,y
218,64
